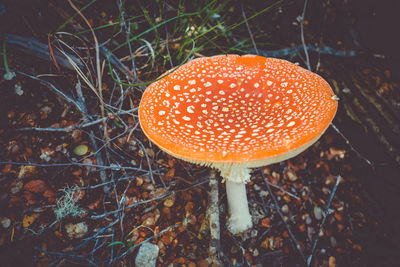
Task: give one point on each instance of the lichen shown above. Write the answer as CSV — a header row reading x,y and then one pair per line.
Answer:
x,y
67,204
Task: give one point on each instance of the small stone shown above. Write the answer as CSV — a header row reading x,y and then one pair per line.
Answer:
x,y
147,255
253,233
5,222
333,241
310,232
256,252
9,75
18,89
318,213
17,187
257,187
264,194
81,150
285,208
77,230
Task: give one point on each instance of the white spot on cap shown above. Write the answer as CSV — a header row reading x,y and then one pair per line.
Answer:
x,y
225,109
177,88
161,112
221,92
166,103
233,85
269,83
290,124
175,121
220,81
192,82
256,85
207,84
186,118
284,84
190,109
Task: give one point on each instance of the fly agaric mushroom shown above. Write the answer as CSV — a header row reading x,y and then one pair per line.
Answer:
x,y
234,113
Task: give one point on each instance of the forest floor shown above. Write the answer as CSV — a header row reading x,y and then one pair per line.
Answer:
x,y
82,185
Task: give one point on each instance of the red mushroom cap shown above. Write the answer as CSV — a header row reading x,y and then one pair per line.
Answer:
x,y
231,109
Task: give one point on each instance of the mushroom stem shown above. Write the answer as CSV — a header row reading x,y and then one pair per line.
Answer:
x,y
236,177
240,219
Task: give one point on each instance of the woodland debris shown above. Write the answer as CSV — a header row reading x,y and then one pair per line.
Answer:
x,y
77,230
147,255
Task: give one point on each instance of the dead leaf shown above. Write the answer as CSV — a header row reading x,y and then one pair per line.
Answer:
x,y
26,171
7,168
29,219
333,153
266,222
36,186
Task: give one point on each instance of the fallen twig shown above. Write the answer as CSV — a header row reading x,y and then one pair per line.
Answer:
x,y
35,48
278,209
55,89
301,21
326,213
213,214
249,30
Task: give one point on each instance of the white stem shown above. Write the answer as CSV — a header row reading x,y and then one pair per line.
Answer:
x,y
240,219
